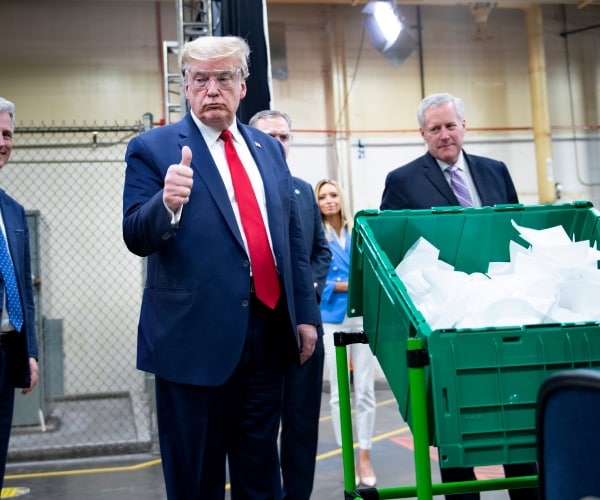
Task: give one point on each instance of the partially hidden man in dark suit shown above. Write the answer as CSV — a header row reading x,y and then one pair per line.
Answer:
x,y
425,183
303,383
218,351
18,342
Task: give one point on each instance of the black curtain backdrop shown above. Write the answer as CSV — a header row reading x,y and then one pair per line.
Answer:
x,y
244,18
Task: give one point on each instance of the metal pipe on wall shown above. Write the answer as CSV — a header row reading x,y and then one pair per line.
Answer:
x,y
539,104
340,167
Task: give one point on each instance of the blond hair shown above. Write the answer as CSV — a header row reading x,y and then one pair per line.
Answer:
x,y
347,220
213,48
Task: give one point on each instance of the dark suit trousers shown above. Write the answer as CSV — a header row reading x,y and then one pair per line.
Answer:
x,y
300,424
200,428
7,399
453,474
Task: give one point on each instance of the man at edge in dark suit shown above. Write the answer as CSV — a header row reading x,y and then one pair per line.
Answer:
x,y
198,193
18,343
303,383
425,183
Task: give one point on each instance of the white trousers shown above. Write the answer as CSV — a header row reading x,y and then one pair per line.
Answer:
x,y
363,362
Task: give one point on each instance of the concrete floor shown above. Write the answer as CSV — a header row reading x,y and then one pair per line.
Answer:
x,y
139,476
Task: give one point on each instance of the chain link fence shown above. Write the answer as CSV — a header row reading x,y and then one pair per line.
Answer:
x,y
90,399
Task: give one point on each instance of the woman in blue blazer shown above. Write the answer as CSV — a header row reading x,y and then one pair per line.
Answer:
x,y
334,300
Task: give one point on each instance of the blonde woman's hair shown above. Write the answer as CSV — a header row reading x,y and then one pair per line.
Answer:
x,y
347,220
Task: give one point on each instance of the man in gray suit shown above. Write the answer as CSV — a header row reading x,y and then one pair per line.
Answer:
x,y
302,383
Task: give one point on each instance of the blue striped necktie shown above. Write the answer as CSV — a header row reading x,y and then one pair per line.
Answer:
x,y
458,185
13,301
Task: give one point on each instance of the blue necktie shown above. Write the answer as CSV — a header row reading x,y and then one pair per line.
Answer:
x,y
13,301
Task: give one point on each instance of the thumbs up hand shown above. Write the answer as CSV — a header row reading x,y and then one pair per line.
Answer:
x,y
186,156
178,182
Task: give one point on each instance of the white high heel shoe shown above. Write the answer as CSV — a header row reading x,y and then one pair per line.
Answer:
x,y
369,480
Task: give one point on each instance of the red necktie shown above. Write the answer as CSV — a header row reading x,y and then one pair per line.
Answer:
x,y
264,273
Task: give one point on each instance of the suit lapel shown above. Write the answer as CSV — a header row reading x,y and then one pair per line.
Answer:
x,y
434,174
340,254
205,168
479,174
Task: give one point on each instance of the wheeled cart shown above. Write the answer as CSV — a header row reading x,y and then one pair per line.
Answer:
x,y
472,392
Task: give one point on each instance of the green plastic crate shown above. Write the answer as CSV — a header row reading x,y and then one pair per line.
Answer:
x,y
481,383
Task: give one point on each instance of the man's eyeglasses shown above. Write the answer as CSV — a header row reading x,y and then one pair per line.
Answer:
x,y
224,79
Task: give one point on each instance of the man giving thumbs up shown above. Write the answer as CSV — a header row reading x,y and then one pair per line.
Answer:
x,y
217,347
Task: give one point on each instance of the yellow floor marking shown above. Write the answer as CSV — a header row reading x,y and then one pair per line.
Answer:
x,y
14,492
379,437
124,468
150,463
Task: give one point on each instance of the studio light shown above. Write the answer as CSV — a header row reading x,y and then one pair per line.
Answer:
x,y
387,26
387,31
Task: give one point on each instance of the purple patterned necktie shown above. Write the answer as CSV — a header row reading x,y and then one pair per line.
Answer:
x,y
458,185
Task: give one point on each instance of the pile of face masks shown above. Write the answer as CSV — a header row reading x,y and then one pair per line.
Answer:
x,y
554,280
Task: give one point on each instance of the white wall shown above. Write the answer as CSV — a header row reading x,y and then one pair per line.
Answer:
x,y
491,76
100,62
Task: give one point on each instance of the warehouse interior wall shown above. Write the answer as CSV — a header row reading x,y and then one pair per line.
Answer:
x,y
100,61
70,62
